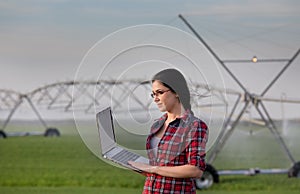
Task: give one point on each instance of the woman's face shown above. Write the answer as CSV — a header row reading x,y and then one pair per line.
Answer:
x,y
165,99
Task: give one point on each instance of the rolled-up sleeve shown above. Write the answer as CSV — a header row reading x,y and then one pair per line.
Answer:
x,y
196,149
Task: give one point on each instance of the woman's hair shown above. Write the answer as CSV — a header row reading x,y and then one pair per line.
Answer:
x,y
175,81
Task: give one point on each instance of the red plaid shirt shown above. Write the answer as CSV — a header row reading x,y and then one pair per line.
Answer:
x,y
182,143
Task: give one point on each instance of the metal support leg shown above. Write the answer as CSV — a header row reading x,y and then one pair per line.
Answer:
x,y
270,124
11,113
229,130
213,155
36,112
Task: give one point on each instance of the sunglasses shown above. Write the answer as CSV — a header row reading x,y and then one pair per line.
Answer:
x,y
158,93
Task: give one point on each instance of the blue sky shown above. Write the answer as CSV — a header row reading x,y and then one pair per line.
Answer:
x,y
44,41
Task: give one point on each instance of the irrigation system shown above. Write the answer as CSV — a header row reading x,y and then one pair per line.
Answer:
x,y
249,98
85,95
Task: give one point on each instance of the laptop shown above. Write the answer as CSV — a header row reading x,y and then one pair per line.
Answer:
x,y
109,148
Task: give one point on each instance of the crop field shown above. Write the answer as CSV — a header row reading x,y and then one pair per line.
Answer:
x,y
35,164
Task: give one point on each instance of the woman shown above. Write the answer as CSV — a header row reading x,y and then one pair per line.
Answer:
x,y
176,144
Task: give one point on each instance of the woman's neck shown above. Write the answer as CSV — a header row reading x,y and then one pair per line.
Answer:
x,y
175,113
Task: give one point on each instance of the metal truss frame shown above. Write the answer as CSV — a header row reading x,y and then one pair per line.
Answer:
x,y
248,99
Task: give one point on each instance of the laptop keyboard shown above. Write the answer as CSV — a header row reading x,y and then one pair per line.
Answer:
x,y
124,156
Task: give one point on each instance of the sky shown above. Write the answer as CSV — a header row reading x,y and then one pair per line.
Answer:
x,y
45,41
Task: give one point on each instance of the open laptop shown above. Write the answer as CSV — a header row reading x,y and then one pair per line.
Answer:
x,y
109,148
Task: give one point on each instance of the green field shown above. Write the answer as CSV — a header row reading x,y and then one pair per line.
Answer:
x,y
37,164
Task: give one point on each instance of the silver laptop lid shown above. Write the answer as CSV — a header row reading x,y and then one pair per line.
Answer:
x,y
106,131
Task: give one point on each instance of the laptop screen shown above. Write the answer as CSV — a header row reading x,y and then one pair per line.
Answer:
x,y
106,131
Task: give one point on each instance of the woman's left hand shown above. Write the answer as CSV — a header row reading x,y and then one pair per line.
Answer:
x,y
144,167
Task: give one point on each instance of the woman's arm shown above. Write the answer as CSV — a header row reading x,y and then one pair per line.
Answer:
x,y
184,171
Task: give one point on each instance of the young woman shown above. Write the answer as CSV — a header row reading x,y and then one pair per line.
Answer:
x,y
177,140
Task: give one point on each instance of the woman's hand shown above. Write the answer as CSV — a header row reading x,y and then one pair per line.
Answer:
x,y
144,167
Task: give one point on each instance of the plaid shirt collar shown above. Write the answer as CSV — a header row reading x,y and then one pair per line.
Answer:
x,y
160,122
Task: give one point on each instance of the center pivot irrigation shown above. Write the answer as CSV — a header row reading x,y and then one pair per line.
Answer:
x,y
211,175
85,96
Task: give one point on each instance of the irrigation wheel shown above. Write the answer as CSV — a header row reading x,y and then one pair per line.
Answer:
x,y
2,134
52,132
295,170
210,176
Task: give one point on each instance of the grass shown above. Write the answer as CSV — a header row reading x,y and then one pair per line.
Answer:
x,y
65,165
55,162
73,190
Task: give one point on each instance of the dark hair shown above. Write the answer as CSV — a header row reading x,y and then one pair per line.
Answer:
x,y
175,81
